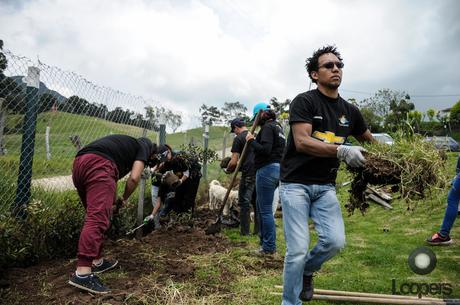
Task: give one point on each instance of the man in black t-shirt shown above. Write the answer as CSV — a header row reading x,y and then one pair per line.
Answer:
x,y
248,174
96,169
320,122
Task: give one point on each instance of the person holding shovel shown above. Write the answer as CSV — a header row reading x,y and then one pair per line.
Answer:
x,y
248,175
268,147
320,122
96,169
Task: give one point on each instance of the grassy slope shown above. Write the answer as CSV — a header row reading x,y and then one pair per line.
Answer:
x,y
64,125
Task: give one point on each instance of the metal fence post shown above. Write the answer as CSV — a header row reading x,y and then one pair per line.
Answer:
x,y
47,143
205,143
140,203
2,126
28,142
162,129
224,145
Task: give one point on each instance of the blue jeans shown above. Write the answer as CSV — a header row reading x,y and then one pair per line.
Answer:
x,y
267,180
300,202
452,207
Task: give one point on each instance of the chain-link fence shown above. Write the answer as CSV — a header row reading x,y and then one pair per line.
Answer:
x,y
47,114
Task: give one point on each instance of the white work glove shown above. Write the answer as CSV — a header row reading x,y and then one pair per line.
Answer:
x,y
148,219
351,155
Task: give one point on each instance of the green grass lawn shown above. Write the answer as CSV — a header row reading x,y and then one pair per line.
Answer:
x,y
377,250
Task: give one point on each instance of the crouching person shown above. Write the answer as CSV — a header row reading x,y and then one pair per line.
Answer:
x,y
181,195
176,184
96,170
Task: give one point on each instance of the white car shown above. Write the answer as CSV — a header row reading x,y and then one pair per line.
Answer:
x,y
383,138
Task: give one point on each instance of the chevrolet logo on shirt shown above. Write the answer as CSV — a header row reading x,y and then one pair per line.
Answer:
x,y
328,137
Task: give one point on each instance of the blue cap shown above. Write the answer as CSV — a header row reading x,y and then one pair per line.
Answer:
x,y
257,107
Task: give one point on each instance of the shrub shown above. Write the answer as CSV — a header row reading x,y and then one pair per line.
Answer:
x,y
51,229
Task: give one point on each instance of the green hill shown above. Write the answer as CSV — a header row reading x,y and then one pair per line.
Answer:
x,y
64,125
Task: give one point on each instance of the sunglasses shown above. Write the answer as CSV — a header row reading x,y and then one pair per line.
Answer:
x,y
331,64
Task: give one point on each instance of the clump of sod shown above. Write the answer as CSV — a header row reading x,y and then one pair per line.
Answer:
x,y
410,165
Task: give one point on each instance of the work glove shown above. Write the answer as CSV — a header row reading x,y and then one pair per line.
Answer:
x,y
224,162
148,219
351,155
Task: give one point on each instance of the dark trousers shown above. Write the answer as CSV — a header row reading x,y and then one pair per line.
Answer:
x,y
96,181
245,191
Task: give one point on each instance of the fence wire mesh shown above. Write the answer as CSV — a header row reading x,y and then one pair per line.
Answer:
x,y
70,112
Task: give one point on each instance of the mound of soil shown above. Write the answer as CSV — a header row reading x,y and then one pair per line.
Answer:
x,y
163,253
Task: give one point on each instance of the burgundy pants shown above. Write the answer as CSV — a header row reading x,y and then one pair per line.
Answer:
x,y
96,180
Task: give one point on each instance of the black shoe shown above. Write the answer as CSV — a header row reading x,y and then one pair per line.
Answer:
x,y
90,283
262,252
104,266
307,288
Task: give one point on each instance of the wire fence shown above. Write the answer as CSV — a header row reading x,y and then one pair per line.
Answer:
x,y
47,115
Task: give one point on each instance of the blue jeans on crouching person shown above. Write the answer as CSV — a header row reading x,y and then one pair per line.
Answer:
x,y
299,202
267,180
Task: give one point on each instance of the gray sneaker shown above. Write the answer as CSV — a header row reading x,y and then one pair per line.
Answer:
x,y
90,283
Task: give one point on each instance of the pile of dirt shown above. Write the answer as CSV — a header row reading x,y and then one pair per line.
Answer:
x,y
164,253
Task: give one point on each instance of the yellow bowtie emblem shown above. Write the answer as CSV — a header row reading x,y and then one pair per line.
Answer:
x,y
328,137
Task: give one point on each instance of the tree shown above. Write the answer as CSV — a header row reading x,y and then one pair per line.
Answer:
x,y
415,119
431,113
233,110
175,120
380,103
374,121
210,114
279,107
398,118
455,113
46,102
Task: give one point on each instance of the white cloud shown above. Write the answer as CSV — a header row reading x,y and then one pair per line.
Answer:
x,y
185,53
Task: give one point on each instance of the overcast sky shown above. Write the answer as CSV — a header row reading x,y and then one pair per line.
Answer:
x,y
185,53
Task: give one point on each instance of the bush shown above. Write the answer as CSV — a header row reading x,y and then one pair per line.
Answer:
x,y
51,229
48,231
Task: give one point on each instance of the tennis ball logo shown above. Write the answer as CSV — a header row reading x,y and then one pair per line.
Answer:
x,y
422,260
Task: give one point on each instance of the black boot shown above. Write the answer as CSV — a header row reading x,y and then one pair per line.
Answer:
x,y
307,288
244,223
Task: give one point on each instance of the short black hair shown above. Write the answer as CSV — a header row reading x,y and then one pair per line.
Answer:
x,y
312,62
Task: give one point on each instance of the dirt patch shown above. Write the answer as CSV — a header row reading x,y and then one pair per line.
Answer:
x,y
160,257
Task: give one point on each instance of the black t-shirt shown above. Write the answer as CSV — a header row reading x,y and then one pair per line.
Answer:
x,y
269,144
333,120
123,150
237,147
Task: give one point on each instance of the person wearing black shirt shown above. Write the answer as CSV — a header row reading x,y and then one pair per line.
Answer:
x,y
181,196
320,122
248,174
268,147
96,169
